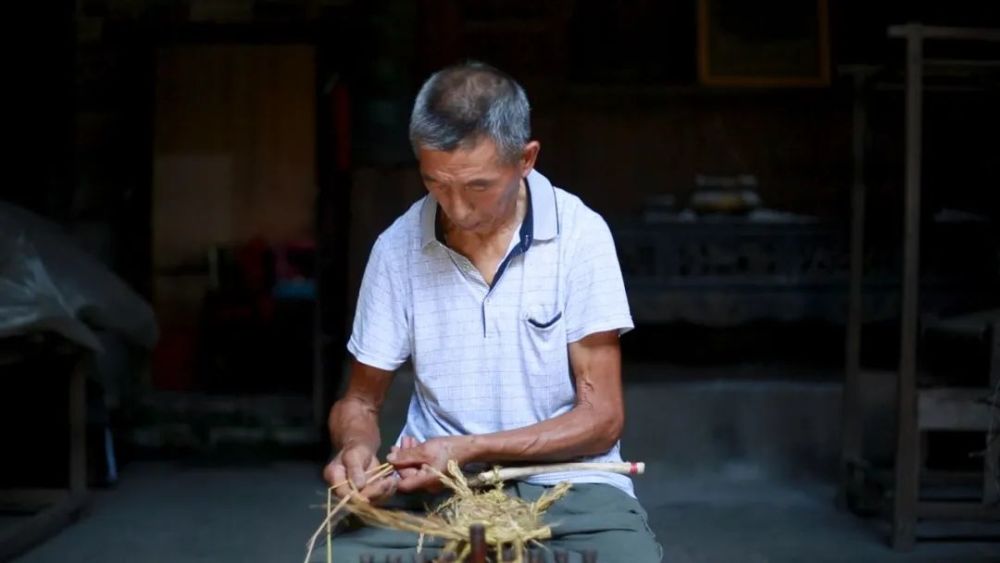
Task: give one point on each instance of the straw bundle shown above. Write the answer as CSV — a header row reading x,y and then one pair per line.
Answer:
x,y
510,522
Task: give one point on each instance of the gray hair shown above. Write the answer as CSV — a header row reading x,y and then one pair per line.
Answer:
x,y
461,104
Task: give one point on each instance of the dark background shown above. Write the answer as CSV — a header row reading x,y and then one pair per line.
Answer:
x,y
294,115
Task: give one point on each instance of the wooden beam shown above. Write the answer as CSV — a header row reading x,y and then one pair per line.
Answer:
x,y
78,426
914,30
991,456
908,438
953,408
852,412
958,511
19,538
30,500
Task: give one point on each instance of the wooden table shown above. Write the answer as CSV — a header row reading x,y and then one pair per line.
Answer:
x,y
50,510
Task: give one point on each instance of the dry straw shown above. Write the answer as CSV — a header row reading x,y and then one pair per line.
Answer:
x,y
510,522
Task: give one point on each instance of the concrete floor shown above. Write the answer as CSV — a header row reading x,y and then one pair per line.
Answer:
x,y
737,470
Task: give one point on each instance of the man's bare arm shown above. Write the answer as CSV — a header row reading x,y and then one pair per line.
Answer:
x,y
592,427
353,425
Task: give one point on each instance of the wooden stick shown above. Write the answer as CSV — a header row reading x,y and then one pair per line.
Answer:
x,y
477,539
329,525
508,473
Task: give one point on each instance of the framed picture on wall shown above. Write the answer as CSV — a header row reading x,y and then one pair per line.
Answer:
x,y
763,43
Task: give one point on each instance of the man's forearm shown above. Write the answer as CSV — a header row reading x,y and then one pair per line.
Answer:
x,y
353,421
592,427
582,431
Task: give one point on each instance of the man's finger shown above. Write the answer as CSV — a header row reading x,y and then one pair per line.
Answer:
x,y
422,479
407,457
377,489
381,489
416,483
339,475
434,485
356,464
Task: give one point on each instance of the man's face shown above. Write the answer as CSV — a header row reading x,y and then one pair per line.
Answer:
x,y
474,187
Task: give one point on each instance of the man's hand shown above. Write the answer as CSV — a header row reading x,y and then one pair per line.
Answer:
x,y
413,459
351,464
406,443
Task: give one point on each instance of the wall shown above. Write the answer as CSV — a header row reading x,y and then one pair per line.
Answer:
x,y
616,149
234,158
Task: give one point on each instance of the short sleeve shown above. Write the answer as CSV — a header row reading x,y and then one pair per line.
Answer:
x,y
381,334
595,299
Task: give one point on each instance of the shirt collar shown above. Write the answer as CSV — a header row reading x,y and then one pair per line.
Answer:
x,y
540,218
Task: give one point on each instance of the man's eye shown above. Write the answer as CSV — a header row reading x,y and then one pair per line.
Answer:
x,y
478,187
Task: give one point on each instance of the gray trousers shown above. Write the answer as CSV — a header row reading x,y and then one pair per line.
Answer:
x,y
590,517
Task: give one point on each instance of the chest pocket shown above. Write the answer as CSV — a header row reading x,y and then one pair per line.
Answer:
x,y
543,334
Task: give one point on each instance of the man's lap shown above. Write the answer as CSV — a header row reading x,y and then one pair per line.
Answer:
x,y
590,517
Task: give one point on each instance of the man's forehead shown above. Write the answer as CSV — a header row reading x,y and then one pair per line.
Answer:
x,y
478,145
482,158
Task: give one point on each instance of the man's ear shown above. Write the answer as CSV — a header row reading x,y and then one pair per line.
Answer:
x,y
528,157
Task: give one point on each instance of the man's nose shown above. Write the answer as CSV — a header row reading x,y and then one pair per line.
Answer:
x,y
457,209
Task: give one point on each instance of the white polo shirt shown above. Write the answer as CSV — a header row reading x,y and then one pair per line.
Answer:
x,y
492,358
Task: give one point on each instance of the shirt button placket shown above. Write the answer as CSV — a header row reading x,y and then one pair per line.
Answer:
x,y
482,312
487,317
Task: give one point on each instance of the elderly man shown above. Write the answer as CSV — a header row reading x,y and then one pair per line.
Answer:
x,y
506,294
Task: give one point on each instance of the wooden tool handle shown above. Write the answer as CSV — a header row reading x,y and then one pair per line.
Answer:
x,y
508,473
